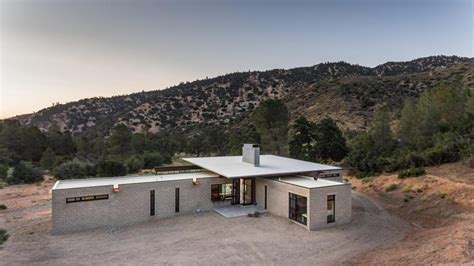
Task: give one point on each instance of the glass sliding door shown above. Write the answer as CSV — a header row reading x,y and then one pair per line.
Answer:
x,y
246,191
235,191
298,208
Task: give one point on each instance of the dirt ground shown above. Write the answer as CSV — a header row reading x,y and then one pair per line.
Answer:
x,y
440,208
202,239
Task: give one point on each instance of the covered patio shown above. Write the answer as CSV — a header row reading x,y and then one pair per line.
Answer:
x,y
238,210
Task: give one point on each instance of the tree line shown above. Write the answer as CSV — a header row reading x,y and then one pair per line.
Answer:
x,y
435,128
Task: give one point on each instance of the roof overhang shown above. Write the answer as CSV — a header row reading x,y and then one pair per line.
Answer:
x,y
270,165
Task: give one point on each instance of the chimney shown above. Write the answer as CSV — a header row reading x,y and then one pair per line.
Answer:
x,y
251,154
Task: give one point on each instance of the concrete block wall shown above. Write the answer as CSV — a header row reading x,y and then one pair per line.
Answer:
x,y
278,196
130,205
318,203
278,201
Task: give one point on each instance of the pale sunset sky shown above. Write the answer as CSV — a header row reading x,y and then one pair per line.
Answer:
x,y
62,51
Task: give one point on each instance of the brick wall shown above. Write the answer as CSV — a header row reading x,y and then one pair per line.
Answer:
x,y
130,205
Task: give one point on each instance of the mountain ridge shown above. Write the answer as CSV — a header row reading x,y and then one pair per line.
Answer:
x,y
227,98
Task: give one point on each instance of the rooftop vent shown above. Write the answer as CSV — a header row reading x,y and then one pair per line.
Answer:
x,y
251,154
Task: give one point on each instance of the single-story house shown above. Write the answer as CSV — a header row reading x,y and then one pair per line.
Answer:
x,y
310,194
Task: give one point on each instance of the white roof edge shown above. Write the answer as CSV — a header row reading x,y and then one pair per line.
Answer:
x,y
110,181
55,184
236,174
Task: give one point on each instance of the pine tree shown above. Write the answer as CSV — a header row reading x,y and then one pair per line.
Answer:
x,y
271,121
47,159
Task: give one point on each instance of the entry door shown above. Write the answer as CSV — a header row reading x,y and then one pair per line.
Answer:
x,y
247,195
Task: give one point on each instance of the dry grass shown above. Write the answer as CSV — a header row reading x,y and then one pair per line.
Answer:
x,y
439,205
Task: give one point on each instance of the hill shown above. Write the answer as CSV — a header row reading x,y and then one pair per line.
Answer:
x,y
348,93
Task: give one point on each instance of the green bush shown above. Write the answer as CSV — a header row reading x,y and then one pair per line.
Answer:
x,y
3,236
152,159
367,179
111,168
71,170
25,172
412,172
391,188
3,207
3,171
134,164
447,148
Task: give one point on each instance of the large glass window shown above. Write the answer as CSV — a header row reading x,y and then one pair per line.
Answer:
x,y
331,208
221,192
298,210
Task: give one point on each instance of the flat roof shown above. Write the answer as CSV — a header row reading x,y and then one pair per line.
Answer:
x,y
234,167
110,181
309,182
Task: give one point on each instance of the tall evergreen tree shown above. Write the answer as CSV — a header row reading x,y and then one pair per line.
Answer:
x,y
381,134
47,159
329,141
302,139
120,143
409,120
271,121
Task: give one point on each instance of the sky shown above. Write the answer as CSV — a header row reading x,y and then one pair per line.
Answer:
x,y
62,51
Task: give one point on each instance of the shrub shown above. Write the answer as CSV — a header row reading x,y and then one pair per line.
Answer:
x,y
442,194
407,189
367,179
25,172
447,149
111,168
3,171
71,170
152,159
391,188
134,164
3,207
3,236
412,172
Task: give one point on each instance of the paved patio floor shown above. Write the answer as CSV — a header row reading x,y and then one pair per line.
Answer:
x,y
238,210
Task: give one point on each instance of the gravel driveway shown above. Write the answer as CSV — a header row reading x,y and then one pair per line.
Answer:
x,y
209,238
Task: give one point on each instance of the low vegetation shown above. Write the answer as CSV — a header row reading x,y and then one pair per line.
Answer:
x,y
3,207
412,172
391,188
3,236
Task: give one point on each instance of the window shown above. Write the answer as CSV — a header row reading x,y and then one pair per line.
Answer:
x,y
298,208
152,202
221,192
87,198
331,175
176,199
331,208
265,197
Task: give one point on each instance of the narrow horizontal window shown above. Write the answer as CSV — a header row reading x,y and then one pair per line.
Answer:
x,y
87,198
331,175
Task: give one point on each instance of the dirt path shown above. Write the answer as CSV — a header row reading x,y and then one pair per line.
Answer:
x,y
439,205
191,239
